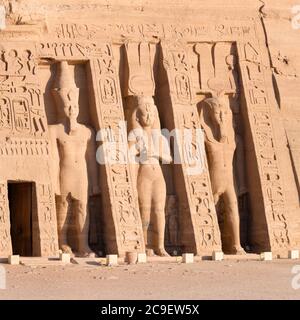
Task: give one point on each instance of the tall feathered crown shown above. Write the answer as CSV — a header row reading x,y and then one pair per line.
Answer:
x,y
64,88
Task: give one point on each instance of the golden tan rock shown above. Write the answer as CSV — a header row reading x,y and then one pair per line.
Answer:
x,y
219,81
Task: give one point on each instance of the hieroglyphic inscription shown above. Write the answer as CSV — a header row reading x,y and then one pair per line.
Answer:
x,y
5,239
67,50
151,31
21,110
24,147
47,220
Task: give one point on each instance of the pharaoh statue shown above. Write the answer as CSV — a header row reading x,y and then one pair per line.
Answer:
x,y
74,171
221,143
146,148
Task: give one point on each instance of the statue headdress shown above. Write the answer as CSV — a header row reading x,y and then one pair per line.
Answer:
x,y
64,87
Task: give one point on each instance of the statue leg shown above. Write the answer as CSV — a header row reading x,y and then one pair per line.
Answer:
x,y
158,203
232,220
62,205
82,222
144,196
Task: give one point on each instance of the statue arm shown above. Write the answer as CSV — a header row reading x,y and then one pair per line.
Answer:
x,y
164,148
165,151
133,166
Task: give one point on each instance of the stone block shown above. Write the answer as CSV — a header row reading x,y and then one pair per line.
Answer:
x,y
65,257
188,258
14,259
111,259
293,254
142,258
266,256
217,256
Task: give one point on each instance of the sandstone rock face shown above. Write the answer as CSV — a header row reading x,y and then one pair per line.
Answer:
x,y
149,126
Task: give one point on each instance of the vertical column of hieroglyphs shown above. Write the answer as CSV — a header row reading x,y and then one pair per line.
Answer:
x,y
200,204
47,220
5,243
260,118
119,194
24,145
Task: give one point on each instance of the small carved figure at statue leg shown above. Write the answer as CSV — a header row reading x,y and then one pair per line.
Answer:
x,y
62,226
82,223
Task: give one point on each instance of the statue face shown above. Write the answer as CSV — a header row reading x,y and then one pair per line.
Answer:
x,y
71,110
69,102
146,114
219,114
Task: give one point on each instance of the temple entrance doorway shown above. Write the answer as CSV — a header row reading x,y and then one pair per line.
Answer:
x,y
22,207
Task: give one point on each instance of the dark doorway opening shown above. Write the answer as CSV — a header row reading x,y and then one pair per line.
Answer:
x,y
21,207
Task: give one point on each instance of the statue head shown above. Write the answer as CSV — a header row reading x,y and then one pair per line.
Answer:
x,y
66,91
69,98
217,110
146,111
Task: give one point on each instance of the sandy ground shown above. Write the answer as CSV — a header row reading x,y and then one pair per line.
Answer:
x,y
201,280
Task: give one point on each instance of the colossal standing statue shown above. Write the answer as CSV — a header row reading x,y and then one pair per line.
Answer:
x,y
220,142
74,163
144,141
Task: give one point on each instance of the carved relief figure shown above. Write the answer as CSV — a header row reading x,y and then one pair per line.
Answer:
x,y
220,141
75,169
13,61
151,186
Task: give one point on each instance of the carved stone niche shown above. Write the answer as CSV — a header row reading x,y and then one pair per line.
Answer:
x,y
218,84
138,73
65,85
263,211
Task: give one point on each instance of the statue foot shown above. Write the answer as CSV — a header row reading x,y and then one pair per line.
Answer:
x,y
86,252
162,252
150,253
238,250
66,249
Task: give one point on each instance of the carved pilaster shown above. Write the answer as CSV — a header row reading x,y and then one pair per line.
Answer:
x,y
267,158
198,221
123,228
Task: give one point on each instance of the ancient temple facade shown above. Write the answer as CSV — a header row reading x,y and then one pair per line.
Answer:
x,y
198,69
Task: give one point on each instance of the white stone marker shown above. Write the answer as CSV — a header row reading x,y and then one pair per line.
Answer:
x,y
64,257
293,254
14,259
188,258
266,256
142,258
217,256
111,259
